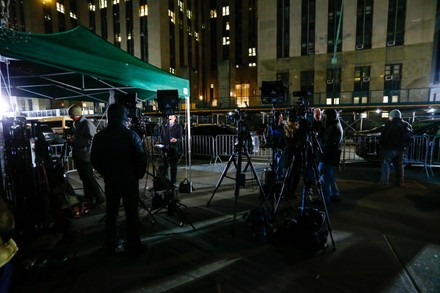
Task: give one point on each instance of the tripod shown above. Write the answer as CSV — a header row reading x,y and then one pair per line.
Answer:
x,y
311,177
240,149
163,189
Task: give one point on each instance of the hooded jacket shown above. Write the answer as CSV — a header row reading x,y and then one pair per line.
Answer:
x,y
118,153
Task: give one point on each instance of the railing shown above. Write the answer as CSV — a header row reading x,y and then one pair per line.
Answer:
x,y
423,151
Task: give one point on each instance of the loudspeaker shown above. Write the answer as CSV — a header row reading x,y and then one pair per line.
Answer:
x,y
167,101
273,92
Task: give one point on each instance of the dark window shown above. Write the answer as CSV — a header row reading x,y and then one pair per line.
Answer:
x,y
364,24
172,28
283,7
396,22
92,15
116,25
47,14
307,83
104,30
333,87
129,21
308,27
143,23
74,11
334,33
238,33
392,82
361,90
284,77
61,18
252,32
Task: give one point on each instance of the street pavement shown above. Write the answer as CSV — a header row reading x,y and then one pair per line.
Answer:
x,y
386,239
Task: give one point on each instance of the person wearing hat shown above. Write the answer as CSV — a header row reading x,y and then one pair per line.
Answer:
x,y
331,145
81,142
391,149
118,154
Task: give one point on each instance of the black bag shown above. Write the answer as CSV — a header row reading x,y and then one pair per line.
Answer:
x,y
308,231
185,186
259,222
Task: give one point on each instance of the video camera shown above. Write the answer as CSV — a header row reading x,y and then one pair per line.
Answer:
x,y
238,116
301,111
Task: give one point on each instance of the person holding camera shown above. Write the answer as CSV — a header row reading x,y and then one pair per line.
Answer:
x,y
171,135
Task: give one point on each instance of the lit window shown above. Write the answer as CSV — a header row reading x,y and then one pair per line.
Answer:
x,y
92,7
60,7
196,35
103,4
328,101
117,38
180,3
129,36
336,101
172,70
252,64
394,99
227,25
385,115
143,10
213,13
189,14
385,99
242,91
225,40
214,103
252,51
73,15
115,2
225,10
171,15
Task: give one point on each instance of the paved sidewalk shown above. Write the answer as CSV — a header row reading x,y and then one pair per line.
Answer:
x,y
386,240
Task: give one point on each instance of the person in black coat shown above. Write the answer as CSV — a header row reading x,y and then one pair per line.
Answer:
x,y
391,149
171,136
118,154
331,145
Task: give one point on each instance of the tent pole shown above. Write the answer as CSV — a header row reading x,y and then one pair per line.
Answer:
x,y
188,141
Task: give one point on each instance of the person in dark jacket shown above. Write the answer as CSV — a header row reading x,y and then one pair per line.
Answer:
x,y
331,145
118,154
171,135
391,150
81,142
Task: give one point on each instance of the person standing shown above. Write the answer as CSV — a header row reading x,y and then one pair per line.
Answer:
x,y
392,148
81,142
331,145
118,154
171,135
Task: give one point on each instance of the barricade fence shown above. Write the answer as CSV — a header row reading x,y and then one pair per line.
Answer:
x,y
423,151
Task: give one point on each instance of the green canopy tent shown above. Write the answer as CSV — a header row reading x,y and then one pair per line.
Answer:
x,y
78,64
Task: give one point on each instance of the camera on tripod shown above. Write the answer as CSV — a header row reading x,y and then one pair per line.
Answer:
x,y
301,112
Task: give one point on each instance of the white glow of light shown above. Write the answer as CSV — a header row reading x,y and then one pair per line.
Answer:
x,y
4,107
378,111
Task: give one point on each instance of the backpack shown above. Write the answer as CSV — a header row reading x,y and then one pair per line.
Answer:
x,y
405,136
